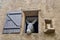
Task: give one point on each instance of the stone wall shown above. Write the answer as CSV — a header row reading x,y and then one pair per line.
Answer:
x,y
48,9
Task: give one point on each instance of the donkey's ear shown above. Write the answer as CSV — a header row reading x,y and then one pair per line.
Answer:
x,y
27,21
34,21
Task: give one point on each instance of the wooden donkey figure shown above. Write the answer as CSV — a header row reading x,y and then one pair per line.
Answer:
x,y
30,27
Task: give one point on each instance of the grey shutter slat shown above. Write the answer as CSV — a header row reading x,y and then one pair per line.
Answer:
x,y
13,23
12,31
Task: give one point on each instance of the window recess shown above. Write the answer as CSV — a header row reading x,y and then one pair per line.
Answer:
x,y
49,26
31,22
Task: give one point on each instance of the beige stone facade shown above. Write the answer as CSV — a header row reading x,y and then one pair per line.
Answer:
x,y
47,9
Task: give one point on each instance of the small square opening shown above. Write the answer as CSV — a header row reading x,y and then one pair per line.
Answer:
x,y
48,23
49,29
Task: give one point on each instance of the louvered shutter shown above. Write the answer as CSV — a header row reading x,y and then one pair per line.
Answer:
x,y
13,23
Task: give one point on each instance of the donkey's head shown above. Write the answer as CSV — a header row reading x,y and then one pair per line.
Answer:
x,y
30,27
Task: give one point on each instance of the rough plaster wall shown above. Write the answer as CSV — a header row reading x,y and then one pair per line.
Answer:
x,y
49,9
